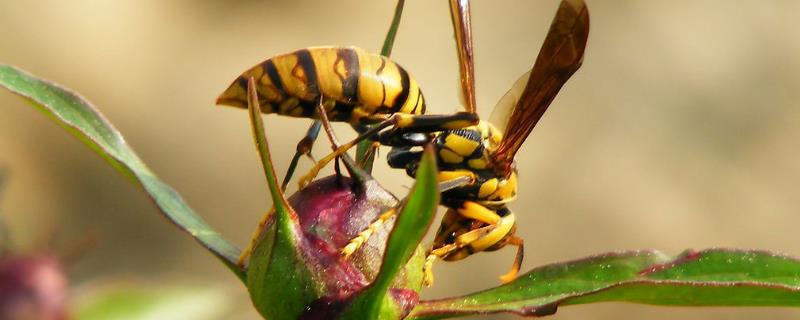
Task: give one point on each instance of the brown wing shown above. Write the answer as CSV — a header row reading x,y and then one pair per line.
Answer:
x,y
561,55
462,27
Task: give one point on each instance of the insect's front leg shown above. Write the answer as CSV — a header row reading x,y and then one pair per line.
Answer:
x,y
362,237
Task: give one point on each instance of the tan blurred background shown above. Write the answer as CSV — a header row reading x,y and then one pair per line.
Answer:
x,y
680,131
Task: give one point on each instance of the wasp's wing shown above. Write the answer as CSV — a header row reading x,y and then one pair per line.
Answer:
x,y
561,55
462,27
501,114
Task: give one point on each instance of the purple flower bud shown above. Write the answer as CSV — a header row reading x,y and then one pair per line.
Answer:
x,y
329,213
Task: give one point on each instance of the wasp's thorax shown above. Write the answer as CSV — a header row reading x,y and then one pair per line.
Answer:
x,y
477,219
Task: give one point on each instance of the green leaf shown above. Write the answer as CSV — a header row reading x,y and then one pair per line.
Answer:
x,y
388,42
412,223
134,302
713,277
81,119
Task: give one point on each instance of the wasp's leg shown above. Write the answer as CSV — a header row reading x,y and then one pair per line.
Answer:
x,y
303,149
356,172
323,116
480,239
363,236
427,268
425,123
461,242
500,227
447,182
512,274
442,252
305,145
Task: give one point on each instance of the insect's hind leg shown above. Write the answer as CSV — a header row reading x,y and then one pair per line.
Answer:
x,y
495,233
467,240
512,273
421,123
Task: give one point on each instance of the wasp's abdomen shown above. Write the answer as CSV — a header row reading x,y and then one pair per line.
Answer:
x,y
352,84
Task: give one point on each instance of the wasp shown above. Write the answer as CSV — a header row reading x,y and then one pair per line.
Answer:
x,y
478,218
341,84
349,84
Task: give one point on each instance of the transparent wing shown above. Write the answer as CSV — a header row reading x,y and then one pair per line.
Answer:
x,y
501,113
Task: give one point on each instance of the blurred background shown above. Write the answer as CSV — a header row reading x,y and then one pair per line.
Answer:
x,y
680,131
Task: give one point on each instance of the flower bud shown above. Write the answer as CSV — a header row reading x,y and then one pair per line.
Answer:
x,y
304,262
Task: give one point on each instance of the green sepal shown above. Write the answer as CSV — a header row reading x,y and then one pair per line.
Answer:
x,y
413,221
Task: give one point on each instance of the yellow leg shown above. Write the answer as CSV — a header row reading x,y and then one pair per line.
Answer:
x,y
476,211
314,171
512,274
305,180
480,239
441,252
363,236
427,268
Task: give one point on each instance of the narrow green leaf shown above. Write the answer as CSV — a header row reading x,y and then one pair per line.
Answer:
x,y
412,223
388,42
81,119
713,277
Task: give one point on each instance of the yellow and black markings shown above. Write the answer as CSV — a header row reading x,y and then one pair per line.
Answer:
x,y
354,86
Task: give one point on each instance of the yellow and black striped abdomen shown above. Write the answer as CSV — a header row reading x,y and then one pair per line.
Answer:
x,y
354,86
